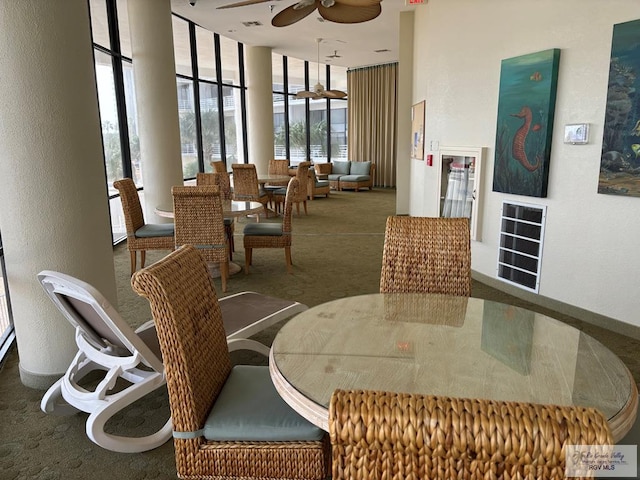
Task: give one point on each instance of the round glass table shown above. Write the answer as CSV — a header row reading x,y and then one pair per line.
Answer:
x,y
449,346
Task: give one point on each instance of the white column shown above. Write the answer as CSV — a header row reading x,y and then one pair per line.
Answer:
x,y
405,95
156,100
259,107
53,197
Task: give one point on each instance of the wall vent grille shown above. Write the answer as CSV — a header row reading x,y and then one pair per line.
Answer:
x,y
521,240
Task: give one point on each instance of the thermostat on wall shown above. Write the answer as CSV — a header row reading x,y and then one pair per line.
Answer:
x,y
576,133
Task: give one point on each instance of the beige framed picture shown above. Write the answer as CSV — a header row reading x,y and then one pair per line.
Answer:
x,y
417,131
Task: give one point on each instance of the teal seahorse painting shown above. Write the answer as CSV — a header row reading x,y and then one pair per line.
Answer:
x,y
526,106
620,160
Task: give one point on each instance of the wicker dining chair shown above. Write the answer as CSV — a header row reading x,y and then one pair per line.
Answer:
x,y
218,166
426,255
223,182
279,167
141,236
245,185
199,222
272,235
302,174
383,435
228,422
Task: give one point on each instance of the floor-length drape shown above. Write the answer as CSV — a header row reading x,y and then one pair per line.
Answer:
x,y
372,119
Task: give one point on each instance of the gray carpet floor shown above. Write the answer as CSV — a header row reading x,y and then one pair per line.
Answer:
x,y
337,252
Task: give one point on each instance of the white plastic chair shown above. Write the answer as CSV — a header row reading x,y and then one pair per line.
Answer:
x,y
106,343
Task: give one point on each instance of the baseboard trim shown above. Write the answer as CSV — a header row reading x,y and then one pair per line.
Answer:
x,y
593,318
38,381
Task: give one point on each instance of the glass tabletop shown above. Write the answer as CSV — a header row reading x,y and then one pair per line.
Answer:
x,y
450,346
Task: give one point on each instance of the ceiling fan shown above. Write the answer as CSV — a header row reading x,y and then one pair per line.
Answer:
x,y
318,89
338,11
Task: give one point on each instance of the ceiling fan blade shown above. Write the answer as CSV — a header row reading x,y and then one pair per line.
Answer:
x,y
291,15
306,94
358,3
242,4
342,13
335,94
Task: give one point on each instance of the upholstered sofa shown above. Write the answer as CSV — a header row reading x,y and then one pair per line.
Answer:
x,y
344,175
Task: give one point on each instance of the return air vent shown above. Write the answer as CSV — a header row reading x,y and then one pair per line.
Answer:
x,y
252,24
521,239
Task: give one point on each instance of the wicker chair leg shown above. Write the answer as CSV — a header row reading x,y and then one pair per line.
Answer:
x,y
224,274
143,257
287,254
304,202
247,260
132,254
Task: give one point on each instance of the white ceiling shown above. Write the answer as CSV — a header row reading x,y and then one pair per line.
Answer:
x,y
356,43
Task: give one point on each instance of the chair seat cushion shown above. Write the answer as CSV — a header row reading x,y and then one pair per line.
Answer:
x,y
322,183
335,176
155,230
249,409
279,191
266,229
355,178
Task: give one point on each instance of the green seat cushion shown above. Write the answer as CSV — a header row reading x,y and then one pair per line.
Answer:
x,y
322,183
155,230
279,191
228,221
355,178
340,168
249,409
267,229
360,168
335,176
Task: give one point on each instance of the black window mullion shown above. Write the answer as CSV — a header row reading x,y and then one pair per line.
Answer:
x,y
118,80
196,94
328,120
285,76
307,110
223,147
243,103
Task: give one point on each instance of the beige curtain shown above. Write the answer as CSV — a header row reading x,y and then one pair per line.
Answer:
x,y
372,119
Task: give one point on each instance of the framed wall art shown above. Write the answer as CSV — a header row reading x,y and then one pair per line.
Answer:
x,y
417,131
620,159
526,107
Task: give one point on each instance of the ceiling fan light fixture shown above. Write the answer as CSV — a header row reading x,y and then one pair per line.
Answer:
x,y
319,91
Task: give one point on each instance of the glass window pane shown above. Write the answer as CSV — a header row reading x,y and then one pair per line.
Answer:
x,y
297,131
210,124
229,59
186,110
277,72
99,25
279,132
132,122
123,28
338,112
318,125
108,118
206,54
232,125
317,74
181,46
338,78
295,70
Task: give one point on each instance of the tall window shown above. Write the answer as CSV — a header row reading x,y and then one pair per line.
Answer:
x,y
307,129
7,334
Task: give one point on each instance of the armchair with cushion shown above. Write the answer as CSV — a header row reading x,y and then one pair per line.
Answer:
x,y
317,187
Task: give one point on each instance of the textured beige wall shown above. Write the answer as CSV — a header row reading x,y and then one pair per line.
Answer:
x,y
591,259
